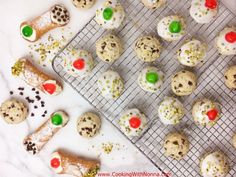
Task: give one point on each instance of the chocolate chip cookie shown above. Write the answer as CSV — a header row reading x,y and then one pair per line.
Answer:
x,y
83,4
230,77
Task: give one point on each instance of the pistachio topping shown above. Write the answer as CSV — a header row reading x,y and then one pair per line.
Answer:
x,y
17,68
92,172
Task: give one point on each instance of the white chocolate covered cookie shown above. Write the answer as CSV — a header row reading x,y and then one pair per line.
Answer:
x,y
171,111
153,4
230,77
83,4
214,164
183,83
148,48
204,11
226,41
206,112
151,79
171,28
176,145
132,122
110,84
79,63
13,111
192,53
88,125
109,48
110,15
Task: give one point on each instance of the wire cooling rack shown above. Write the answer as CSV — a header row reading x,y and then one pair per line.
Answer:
x,y
141,21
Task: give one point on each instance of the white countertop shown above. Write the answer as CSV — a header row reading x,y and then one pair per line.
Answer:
x,y
14,161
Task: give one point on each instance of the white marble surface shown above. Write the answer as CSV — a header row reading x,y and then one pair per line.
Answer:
x,y
14,161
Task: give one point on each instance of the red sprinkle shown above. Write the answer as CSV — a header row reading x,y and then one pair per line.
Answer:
x,y
230,37
211,4
55,163
135,122
79,64
212,114
50,88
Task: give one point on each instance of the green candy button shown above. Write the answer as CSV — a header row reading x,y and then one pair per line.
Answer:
x,y
152,77
175,27
107,13
27,31
56,119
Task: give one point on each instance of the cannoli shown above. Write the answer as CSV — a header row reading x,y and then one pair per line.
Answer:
x,y
56,16
64,163
34,142
24,69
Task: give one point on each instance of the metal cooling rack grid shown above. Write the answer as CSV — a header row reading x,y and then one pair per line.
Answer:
x,y
142,21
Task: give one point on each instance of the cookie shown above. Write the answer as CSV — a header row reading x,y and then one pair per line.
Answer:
x,y
183,83
83,4
148,48
79,63
204,11
230,77
206,112
60,15
234,140
171,28
214,164
226,41
110,85
192,53
153,4
170,111
88,125
132,122
13,111
151,79
176,145
110,15
109,48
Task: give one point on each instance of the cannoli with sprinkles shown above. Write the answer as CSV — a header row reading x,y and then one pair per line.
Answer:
x,y
63,162
34,142
56,16
34,77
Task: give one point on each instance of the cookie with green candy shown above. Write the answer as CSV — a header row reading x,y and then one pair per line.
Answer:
x,y
171,28
56,16
34,142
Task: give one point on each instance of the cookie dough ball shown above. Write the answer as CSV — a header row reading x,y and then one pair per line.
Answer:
x,y
88,125
79,63
148,48
192,53
110,15
13,111
203,11
183,83
234,140
151,79
111,85
206,112
83,4
171,111
226,41
171,28
109,48
153,4
214,164
230,77
132,122
176,145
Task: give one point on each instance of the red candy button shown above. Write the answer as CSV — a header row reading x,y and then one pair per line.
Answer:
x,y
211,4
79,64
135,122
55,163
50,88
230,37
212,114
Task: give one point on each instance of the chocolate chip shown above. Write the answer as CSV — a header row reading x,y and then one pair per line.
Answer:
x,y
11,92
190,83
35,107
175,143
32,114
235,76
37,92
180,85
33,89
21,93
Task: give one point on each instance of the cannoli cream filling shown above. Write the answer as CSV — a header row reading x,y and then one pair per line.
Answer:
x,y
30,37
